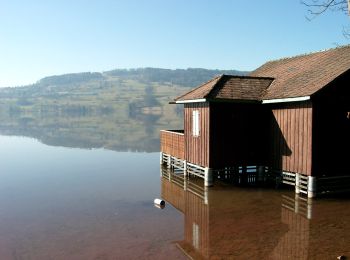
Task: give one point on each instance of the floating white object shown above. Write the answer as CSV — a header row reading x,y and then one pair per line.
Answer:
x,y
159,202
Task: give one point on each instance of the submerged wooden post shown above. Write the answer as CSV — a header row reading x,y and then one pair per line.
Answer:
x,y
208,177
297,183
311,187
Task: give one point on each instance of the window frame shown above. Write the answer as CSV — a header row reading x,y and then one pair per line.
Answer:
x,y
195,123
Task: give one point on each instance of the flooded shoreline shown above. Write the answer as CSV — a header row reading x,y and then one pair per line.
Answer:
x,y
227,222
64,203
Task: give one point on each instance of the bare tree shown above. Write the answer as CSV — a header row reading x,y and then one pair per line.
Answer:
x,y
318,7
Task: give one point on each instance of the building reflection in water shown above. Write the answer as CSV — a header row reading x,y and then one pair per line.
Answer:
x,y
226,222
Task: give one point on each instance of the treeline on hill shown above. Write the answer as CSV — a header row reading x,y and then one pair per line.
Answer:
x,y
190,77
71,78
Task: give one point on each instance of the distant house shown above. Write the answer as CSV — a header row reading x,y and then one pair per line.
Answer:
x,y
290,116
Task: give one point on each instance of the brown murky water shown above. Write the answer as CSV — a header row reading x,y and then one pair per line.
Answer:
x,y
64,203
226,222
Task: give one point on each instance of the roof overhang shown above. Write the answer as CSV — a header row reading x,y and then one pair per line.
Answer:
x,y
284,100
191,101
265,101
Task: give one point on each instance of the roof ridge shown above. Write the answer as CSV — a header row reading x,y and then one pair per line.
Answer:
x,y
246,76
209,81
215,85
309,53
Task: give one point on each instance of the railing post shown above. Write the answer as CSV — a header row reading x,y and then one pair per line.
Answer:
x,y
311,187
169,161
185,169
208,177
260,173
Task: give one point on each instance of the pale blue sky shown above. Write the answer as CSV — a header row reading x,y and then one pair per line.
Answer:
x,y
45,37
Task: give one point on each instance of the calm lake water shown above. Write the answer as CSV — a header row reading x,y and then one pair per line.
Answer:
x,y
72,203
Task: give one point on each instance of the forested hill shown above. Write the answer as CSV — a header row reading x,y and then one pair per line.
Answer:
x,y
182,77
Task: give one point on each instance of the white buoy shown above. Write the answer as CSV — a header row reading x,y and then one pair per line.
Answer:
x,y
159,202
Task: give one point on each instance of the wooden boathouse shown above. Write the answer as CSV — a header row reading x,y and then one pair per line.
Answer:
x,y
290,117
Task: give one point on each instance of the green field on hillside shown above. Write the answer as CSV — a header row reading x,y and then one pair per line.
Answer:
x,y
118,110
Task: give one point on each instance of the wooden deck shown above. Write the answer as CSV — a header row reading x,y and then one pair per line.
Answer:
x,y
172,143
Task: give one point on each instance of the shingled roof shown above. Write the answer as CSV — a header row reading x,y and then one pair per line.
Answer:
x,y
227,87
294,77
304,75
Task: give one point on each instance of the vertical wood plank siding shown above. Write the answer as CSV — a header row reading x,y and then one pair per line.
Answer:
x,y
197,147
291,137
172,143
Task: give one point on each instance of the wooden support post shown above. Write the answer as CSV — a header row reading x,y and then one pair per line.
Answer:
x,y
208,177
161,158
260,173
169,162
311,187
185,169
244,175
297,183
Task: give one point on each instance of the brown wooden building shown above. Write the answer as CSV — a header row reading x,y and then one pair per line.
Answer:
x,y
291,115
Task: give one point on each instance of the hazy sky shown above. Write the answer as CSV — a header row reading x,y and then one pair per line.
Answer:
x,y
47,37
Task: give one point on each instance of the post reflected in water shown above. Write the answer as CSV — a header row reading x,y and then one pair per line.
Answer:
x,y
244,223
295,212
191,198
